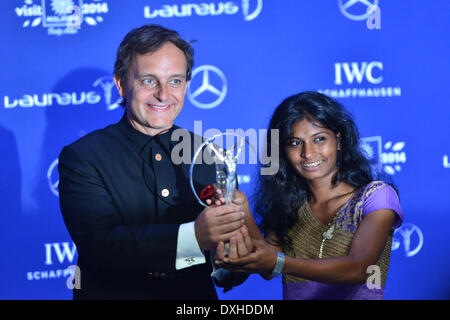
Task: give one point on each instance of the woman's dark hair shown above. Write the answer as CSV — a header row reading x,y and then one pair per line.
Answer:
x,y
279,196
149,38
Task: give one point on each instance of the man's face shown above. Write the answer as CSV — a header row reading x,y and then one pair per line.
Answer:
x,y
155,88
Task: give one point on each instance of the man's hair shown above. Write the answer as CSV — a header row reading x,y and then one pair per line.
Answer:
x,y
149,38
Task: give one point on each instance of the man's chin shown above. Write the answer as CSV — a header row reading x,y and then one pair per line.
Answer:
x,y
161,127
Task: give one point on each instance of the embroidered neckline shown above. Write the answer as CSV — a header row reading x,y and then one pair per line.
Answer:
x,y
328,235
340,210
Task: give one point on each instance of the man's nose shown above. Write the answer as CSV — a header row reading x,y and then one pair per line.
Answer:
x,y
161,93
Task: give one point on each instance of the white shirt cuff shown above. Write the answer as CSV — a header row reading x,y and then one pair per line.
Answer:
x,y
188,250
218,273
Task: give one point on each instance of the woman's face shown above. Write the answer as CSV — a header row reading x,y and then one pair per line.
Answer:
x,y
312,150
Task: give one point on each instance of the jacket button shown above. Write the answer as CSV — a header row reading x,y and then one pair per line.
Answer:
x,y
158,157
165,193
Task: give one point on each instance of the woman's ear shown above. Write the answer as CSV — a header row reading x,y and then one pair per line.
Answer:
x,y
338,140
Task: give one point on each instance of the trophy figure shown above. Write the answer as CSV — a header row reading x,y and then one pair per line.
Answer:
x,y
226,163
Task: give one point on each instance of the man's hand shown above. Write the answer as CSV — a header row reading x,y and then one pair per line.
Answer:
x,y
217,198
216,224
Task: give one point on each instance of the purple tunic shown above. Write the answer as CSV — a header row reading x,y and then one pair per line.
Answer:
x,y
377,195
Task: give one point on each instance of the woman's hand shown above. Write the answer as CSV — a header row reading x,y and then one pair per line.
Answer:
x,y
239,245
261,260
239,198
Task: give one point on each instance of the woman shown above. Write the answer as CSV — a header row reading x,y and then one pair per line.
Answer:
x,y
322,209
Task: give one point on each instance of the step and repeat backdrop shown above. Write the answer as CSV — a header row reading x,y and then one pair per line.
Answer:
x,y
386,61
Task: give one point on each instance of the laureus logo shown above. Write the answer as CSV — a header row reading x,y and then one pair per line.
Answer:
x,y
248,12
250,9
410,237
104,87
53,177
445,162
112,98
61,17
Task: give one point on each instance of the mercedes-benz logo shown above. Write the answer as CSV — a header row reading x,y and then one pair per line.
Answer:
x,y
406,234
207,95
357,12
53,178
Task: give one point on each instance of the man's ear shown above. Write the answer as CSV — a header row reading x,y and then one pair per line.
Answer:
x,y
121,86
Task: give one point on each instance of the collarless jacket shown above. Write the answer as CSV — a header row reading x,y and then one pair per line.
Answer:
x,y
123,199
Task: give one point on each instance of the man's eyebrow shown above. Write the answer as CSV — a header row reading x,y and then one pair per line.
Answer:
x,y
146,75
178,75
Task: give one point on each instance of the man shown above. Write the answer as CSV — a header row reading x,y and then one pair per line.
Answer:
x,y
139,232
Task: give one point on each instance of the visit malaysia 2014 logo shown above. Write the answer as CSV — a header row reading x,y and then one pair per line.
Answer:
x,y
61,17
388,156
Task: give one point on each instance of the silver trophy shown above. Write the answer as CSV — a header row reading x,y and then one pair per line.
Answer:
x,y
225,161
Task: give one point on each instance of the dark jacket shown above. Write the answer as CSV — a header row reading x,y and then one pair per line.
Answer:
x,y
114,200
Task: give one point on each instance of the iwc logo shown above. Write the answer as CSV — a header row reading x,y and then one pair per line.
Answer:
x,y
360,79
61,17
58,260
